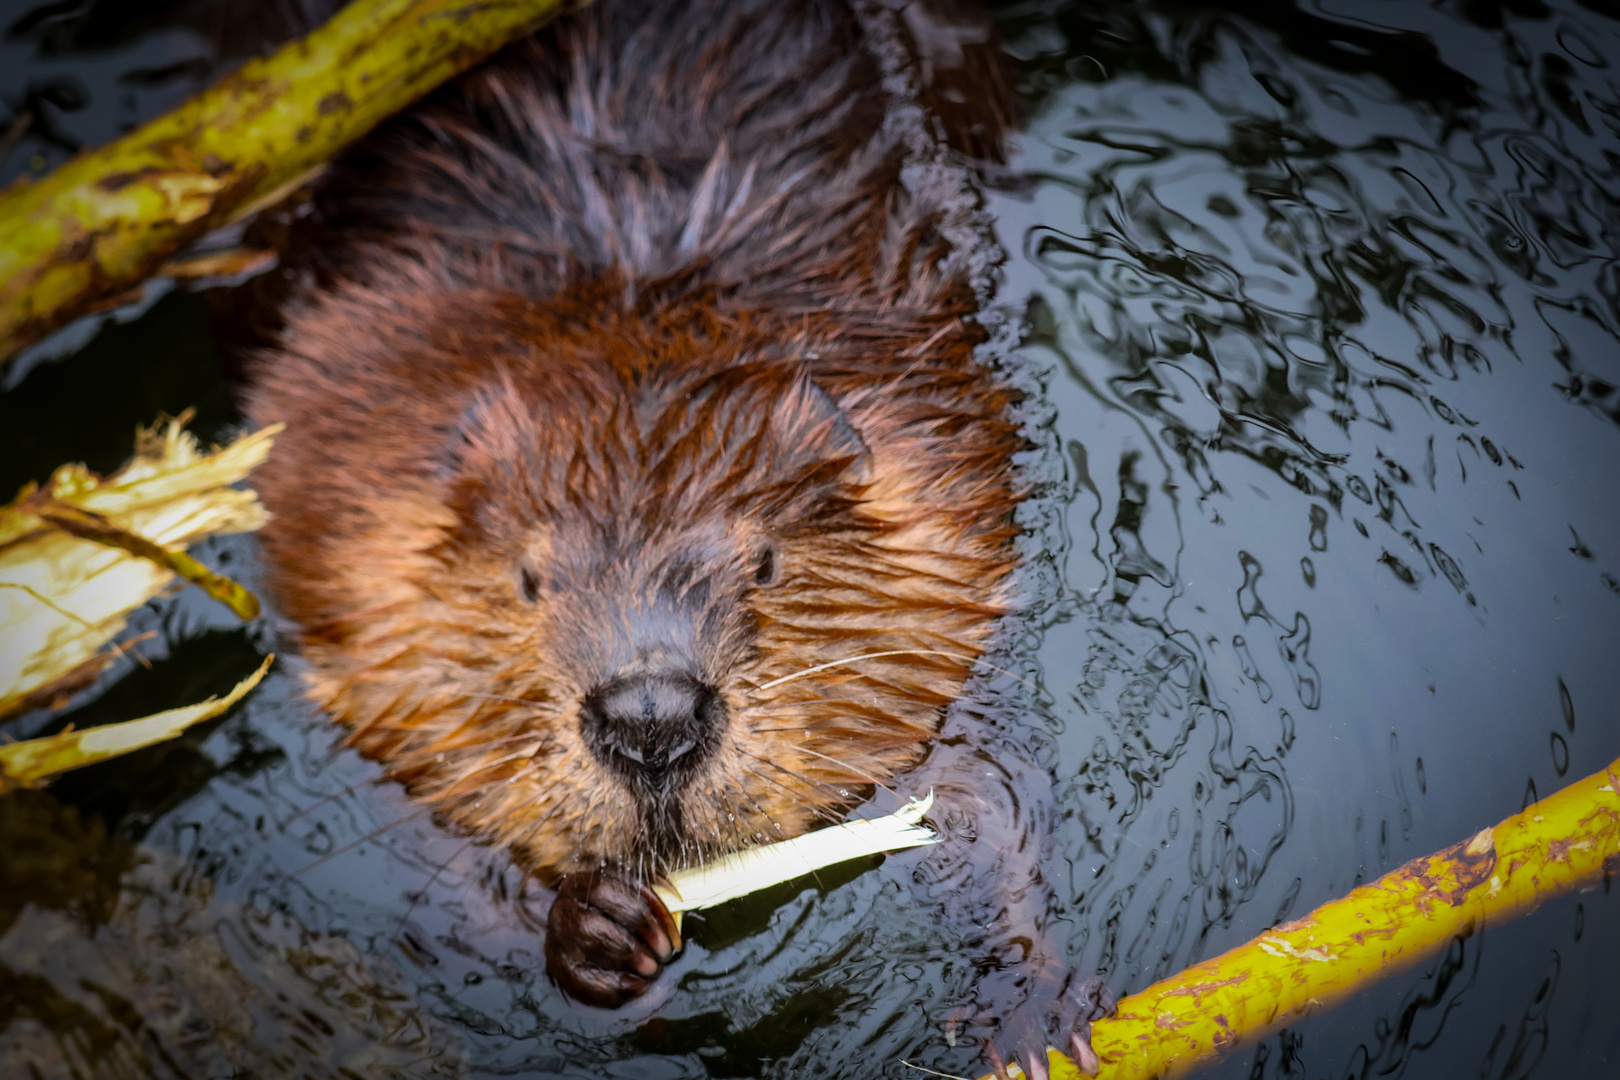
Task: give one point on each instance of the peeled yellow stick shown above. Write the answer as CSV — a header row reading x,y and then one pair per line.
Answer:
x,y
1564,842
64,596
31,763
105,220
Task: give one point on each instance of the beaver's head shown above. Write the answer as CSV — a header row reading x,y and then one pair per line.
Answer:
x,y
662,606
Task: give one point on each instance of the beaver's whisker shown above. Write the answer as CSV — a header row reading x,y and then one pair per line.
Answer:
x,y
728,825
775,825
846,765
491,829
379,831
473,750
375,834
544,745
422,892
723,823
809,781
800,776
366,839
971,661
805,701
523,837
814,808
485,766
739,831
442,867
817,669
502,697
336,795
796,796
474,796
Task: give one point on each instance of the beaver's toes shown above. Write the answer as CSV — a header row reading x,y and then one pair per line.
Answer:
x,y
1062,1019
608,937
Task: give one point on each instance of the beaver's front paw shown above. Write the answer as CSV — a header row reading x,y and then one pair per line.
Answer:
x,y
607,938
1058,1014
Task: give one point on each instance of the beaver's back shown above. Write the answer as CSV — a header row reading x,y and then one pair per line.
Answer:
x,y
738,142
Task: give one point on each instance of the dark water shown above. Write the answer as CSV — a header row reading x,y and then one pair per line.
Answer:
x,y
1324,307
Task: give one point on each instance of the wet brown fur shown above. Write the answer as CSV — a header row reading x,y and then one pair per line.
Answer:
x,y
649,294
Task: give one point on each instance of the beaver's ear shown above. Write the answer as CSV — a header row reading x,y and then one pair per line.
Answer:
x,y
489,461
458,449
495,428
810,425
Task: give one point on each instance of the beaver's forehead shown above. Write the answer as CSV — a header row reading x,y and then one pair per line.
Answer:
x,y
606,549
686,511
634,462
681,485
720,402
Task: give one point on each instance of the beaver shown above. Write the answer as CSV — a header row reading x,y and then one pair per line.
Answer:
x,y
643,498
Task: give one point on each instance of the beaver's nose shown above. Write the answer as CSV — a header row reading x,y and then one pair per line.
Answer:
x,y
650,727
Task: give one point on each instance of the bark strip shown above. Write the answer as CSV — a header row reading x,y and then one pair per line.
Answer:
x,y
37,761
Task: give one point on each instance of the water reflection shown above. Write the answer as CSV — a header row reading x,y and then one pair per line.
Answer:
x,y
154,979
1307,285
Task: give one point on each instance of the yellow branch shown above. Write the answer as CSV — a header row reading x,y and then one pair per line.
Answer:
x,y
78,555
105,220
31,763
88,526
1565,842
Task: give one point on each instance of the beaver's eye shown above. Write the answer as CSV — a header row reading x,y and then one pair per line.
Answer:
x,y
528,581
765,568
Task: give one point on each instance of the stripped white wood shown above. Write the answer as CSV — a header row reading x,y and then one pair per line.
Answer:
x,y
744,872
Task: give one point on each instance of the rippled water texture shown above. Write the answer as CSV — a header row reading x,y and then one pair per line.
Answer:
x,y
1324,305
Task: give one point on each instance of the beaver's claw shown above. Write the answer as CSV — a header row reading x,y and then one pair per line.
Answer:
x,y
608,937
1062,1020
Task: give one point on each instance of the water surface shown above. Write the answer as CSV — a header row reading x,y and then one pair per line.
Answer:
x,y
1321,311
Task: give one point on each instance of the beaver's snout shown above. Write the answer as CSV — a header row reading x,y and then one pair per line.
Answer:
x,y
652,729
